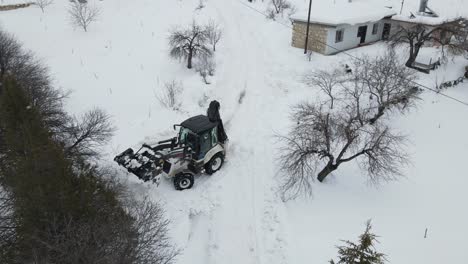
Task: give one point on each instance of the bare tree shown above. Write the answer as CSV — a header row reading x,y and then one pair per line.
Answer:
x,y
205,66
139,235
42,4
153,244
189,43
280,6
214,33
323,138
326,81
170,96
82,14
417,35
386,81
87,134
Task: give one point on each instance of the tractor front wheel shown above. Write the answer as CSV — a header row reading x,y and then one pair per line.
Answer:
x,y
215,163
183,181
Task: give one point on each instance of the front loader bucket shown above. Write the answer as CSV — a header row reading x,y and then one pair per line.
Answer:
x,y
143,165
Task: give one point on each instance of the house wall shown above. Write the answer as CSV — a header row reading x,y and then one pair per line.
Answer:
x,y
350,38
317,36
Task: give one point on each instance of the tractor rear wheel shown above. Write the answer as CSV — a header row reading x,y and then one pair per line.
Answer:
x,y
183,181
215,163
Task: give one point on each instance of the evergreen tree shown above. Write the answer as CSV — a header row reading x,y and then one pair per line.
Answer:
x,y
362,253
59,208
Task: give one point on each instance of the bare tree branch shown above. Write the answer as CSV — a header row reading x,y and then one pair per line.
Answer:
x,y
82,14
214,33
189,43
87,134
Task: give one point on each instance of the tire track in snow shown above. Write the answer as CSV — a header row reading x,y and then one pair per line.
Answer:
x,y
245,188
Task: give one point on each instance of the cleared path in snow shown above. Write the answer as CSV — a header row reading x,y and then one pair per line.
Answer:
x,y
243,227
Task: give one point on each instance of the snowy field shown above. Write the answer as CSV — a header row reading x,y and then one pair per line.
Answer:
x,y
236,215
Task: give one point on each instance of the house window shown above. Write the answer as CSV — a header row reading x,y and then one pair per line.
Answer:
x,y
375,29
339,35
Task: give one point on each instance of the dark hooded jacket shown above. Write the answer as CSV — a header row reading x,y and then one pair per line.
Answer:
x,y
213,115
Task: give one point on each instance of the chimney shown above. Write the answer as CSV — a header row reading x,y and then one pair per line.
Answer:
x,y
423,6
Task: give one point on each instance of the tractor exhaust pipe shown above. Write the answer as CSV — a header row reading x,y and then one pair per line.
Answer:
x,y
423,6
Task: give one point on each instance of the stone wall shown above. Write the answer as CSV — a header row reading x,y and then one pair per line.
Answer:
x,y
13,7
317,36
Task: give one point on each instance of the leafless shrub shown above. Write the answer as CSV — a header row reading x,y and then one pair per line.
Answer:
x,y
170,96
189,43
280,6
86,135
327,135
42,4
139,236
205,66
326,81
292,10
82,14
214,33
153,244
271,14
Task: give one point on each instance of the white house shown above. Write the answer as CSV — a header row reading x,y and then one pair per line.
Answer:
x,y
337,27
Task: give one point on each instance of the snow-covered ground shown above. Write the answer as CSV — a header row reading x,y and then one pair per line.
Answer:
x,y
236,216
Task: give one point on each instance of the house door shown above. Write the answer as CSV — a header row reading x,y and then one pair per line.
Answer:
x,y
362,32
386,31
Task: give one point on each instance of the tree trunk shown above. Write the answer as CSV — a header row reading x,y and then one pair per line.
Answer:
x,y
414,52
189,59
379,114
329,168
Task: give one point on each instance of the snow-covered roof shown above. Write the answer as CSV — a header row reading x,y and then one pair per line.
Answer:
x,y
444,8
421,19
333,14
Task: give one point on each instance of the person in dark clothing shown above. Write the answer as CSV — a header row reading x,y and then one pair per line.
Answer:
x,y
213,115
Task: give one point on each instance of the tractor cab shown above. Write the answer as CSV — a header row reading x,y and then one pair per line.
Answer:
x,y
199,134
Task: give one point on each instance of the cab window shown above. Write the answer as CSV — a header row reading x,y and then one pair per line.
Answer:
x,y
214,136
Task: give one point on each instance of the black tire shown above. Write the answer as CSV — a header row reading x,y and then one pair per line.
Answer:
x,y
183,181
215,163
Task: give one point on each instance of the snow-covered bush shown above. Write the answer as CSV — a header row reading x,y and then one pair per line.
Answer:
x,y
82,14
170,96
